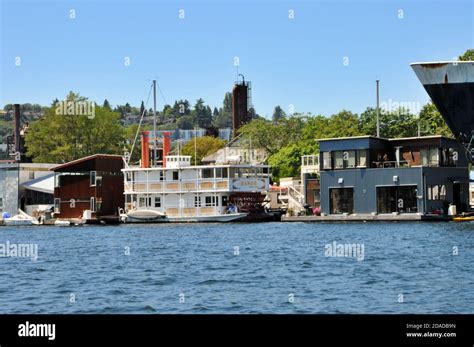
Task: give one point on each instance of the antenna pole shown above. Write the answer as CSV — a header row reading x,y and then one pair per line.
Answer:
x,y
195,145
154,123
378,109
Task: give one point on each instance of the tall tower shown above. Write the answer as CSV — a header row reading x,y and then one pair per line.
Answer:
x,y
241,102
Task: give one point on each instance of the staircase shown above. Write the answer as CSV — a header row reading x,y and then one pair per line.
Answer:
x,y
294,199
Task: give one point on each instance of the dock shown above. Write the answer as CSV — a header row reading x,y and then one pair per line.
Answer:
x,y
369,218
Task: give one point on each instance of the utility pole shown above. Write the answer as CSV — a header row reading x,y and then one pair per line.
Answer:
x,y
154,123
378,109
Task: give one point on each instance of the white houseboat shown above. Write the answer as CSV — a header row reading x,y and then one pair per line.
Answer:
x,y
181,192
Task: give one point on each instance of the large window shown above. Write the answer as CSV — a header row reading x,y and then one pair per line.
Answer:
x,y
429,156
221,172
197,201
436,192
362,158
327,161
207,173
157,201
175,175
211,201
341,200
401,199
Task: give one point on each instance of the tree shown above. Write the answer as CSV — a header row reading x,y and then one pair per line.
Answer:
x,y
202,115
106,105
224,118
142,109
202,146
58,138
468,55
432,123
278,114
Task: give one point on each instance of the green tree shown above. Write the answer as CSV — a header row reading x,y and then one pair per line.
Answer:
x,y
278,114
202,146
106,105
468,55
58,138
224,118
432,123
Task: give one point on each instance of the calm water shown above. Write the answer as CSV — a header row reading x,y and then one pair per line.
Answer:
x,y
240,268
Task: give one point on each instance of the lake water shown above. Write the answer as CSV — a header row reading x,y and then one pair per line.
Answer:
x,y
241,268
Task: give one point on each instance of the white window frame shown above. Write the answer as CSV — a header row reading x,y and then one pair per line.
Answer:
x,y
57,205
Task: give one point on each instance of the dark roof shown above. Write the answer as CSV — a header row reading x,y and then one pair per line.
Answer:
x,y
85,159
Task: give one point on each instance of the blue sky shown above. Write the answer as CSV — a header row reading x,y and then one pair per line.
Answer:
x,y
297,62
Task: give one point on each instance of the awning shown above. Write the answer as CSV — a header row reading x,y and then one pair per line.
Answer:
x,y
43,184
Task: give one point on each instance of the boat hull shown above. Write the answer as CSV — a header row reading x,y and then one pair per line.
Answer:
x,y
450,86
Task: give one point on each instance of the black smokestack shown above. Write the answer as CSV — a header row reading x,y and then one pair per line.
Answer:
x,y
16,127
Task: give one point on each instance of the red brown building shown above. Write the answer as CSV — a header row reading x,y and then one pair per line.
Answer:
x,y
90,188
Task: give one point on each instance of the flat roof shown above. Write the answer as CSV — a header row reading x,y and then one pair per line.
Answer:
x,y
90,157
385,139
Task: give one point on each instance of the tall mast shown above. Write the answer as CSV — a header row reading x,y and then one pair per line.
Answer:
x,y
154,123
378,109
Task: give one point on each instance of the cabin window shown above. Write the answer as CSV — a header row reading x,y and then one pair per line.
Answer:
x,y
57,205
1,203
349,159
211,201
436,192
175,175
429,156
197,201
338,160
92,206
207,173
327,161
162,175
362,158
221,172
157,201
144,201
225,200
93,178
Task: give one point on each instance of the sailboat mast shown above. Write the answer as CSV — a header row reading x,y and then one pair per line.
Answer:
x,y
154,123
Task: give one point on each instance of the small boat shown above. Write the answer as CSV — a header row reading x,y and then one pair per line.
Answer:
x,y
21,219
463,219
62,223
142,216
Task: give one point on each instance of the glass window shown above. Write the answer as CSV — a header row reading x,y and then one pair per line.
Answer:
x,y
349,159
93,176
225,200
57,180
162,175
197,201
175,175
1,203
327,161
362,157
92,204
211,201
434,156
338,160
207,173
57,205
341,200
157,201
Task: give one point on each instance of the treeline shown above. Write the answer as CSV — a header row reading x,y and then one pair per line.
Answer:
x,y
181,115
287,138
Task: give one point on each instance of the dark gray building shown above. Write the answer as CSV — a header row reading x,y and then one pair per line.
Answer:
x,y
369,175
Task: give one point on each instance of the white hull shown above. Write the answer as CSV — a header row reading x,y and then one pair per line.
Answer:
x,y
21,219
222,218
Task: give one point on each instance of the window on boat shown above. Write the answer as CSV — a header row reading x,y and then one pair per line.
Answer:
x,y
1,203
207,173
221,172
162,175
211,201
92,206
175,175
93,178
57,205
157,201
327,161
225,200
197,201
362,158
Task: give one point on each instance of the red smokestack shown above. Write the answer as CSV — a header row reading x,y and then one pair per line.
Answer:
x,y
166,145
145,150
